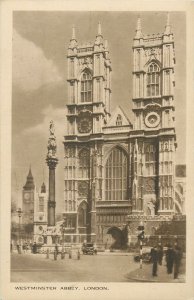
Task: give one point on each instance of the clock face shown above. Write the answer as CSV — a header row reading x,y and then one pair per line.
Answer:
x,y
26,196
85,125
152,119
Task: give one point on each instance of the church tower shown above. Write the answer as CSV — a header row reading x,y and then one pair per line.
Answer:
x,y
153,139
40,214
89,90
88,111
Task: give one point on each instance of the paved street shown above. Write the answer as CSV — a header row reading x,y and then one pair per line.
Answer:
x,y
97,268
145,274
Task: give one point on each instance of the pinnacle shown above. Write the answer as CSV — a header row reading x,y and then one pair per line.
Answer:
x,y
99,28
138,29
168,26
73,33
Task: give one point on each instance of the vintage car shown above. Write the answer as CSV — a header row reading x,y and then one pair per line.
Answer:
x,y
145,255
89,248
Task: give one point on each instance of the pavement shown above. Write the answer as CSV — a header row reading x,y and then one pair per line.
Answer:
x,y
90,268
103,267
145,274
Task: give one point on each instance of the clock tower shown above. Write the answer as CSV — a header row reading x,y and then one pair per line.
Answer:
x,y
28,195
88,111
153,139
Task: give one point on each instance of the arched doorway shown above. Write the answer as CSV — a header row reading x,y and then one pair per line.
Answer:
x,y
82,215
119,237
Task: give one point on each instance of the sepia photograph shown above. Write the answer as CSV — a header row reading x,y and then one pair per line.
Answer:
x,y
98,147
96,150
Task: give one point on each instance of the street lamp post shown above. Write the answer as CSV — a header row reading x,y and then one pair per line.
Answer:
x,y
141,238
63,225
19,211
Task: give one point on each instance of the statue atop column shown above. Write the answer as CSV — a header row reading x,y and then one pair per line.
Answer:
x,y
52,146
52,162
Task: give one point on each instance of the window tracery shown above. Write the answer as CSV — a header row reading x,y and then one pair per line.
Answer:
x,y
116,175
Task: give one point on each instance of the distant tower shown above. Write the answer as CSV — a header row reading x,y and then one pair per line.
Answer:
x,y
52,161
40,214
153,140
28,195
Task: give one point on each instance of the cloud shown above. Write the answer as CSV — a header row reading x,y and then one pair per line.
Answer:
x,y
58,115
31,69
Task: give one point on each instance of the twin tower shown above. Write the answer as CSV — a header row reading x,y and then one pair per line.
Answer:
x,y
116,171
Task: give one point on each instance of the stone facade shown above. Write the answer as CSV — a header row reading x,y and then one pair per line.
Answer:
x,y
115,171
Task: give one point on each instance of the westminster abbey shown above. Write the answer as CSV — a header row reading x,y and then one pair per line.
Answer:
x,y
116,172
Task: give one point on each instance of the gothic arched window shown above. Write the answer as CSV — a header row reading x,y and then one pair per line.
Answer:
x,y
82,215
84,163
153,80
86,87
119,120
116,175
150,159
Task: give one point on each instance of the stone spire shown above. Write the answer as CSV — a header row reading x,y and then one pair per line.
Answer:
x,y
73,41
106,45
73,33
99,37
99,29
43,188
138,29
168,26
29,181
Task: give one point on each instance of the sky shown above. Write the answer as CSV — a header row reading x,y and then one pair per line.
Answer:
x,y
39,87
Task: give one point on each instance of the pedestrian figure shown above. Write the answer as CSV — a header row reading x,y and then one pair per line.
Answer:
x,y
56,249
47,253
24,248
160,255
154,260
169,259
34,248
78,254
177,260
55,254
18,248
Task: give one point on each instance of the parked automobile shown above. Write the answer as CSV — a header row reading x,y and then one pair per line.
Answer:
x,y
145,255
89,248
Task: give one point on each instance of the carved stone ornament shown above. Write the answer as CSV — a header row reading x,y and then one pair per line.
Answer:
x,y
86,62
149,185
84,123
83,188
153,52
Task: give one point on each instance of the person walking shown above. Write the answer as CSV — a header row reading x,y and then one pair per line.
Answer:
x,y
154,260
34,248
177,260
56,249
160,255
18,247
169,259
